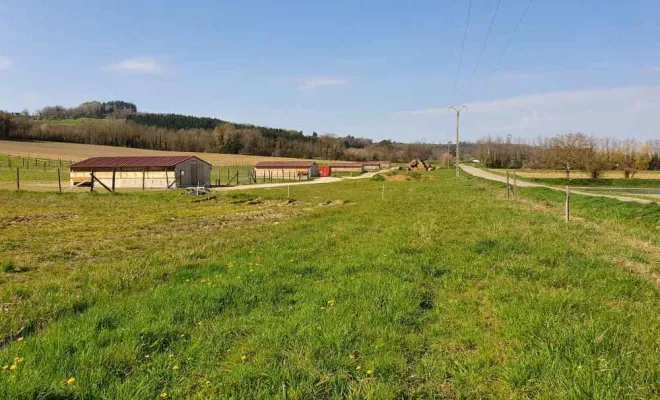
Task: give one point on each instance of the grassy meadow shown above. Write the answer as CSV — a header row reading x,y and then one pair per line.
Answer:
x,y
601,183
443,290
560,174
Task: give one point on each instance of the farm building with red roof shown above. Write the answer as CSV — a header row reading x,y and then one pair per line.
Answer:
x,y
289,170
371,165
146,172
347,167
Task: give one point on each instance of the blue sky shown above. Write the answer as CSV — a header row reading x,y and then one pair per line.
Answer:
x,y
379,69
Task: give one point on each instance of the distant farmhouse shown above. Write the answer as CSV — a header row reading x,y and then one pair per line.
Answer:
x,y
152,172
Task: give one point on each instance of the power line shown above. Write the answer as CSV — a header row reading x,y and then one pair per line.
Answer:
x,y
499,58
460,60
483,47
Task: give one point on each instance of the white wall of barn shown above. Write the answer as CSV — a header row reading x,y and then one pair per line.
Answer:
x,y
158,178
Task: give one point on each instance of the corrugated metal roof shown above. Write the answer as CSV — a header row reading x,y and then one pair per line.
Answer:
x,y
284,164
144,161
346,165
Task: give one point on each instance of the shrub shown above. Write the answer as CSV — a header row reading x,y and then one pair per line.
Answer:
x,y
8,266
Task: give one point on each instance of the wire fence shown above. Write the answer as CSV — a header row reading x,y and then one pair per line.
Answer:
x,y
52,174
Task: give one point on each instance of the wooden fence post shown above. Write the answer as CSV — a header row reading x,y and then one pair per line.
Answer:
x,y
9,161
515,187
91,185
567,205
59,181
18,180
114,170
508,186
143,176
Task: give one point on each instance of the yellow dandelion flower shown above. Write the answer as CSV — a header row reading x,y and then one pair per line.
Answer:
x,y
331,303
175,367
71,381
19,359
370,372
163,395
20,339
358,368
13,367
243,358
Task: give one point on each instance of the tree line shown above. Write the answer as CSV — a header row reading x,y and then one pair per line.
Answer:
x,y
223,138
572,151
89,109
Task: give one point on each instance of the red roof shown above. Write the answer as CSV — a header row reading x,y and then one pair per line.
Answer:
x,y
371,163
284,164
346,165
148,161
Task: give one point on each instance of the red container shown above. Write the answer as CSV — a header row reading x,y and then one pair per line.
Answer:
x,y
324,170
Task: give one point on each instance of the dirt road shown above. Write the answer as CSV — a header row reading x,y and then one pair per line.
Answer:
x,y
498,178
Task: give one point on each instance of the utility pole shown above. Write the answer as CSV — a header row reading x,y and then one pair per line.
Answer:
x,y
457,109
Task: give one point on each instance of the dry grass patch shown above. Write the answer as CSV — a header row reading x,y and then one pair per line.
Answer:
x,y
76,151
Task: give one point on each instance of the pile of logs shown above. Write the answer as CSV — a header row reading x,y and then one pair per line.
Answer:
x,y
419,165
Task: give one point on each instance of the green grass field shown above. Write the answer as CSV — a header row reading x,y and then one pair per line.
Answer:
x,y
67,122
620,183
443,290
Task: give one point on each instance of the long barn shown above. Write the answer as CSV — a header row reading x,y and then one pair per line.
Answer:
x,y
151,172
355,167
294,170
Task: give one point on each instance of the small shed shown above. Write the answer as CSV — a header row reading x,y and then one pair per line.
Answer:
x,y
347,167
293,170
371,165
145,172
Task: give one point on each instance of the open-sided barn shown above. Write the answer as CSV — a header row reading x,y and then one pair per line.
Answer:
x,y
371,165
347,167
293,170
151,172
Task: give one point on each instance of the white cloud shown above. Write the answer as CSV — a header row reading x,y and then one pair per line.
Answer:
x,y
626,112
5,63
315,82
144,65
